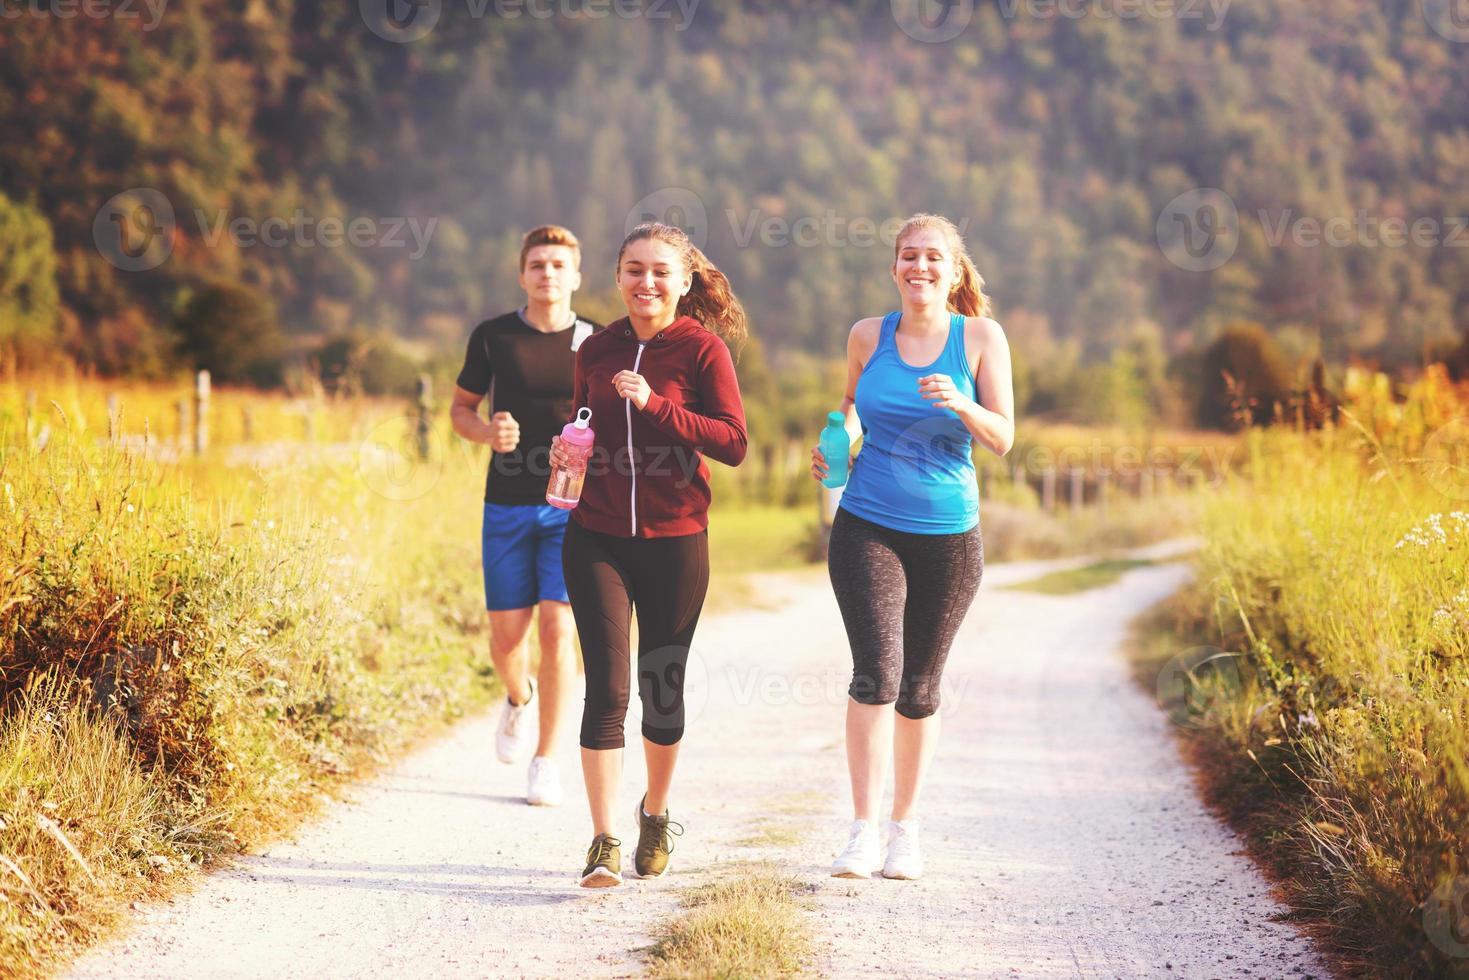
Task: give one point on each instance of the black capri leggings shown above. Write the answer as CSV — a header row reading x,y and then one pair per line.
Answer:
x,y
606,577
902,597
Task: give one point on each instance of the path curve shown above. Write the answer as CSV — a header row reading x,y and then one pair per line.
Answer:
x,y
1062,831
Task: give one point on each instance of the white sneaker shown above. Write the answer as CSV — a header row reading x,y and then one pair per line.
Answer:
x,y
543,784
860,858
904,859
516,722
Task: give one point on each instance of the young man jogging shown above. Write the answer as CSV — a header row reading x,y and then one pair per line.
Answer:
x,y
524,361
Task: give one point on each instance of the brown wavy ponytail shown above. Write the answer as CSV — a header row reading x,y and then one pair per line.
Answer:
x,y
967,295
710,299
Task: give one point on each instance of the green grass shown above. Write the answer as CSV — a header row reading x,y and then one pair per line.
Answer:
x,y
751,539
1097,575
1338,737
750,925
193,657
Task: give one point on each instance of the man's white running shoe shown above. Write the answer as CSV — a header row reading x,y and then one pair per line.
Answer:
x,y
516,722
904,859
543,784
861,857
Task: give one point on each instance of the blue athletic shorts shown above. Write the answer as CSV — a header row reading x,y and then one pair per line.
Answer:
x,y
521,554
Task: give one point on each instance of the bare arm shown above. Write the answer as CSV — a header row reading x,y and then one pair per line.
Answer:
x,y
860,344
464,416
991,417
501,432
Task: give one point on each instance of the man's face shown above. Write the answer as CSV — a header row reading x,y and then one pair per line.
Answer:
x,y
550,273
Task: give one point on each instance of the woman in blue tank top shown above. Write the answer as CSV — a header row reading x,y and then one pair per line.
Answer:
x,y
924,383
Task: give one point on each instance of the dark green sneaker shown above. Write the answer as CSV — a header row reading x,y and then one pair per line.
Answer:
x,y
604,863
655,842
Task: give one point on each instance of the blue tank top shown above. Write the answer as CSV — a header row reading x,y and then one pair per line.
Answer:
x,y
915,471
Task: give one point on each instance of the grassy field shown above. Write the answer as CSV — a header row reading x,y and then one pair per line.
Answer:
x,y
1319,670
198,651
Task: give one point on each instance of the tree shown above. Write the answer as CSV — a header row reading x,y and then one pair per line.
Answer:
x,y
1244,376
231,330
28,297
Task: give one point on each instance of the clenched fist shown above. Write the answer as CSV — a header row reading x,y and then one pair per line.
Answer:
x,y
504,432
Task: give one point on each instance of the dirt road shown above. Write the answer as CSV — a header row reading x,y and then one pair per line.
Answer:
x,y
1061,829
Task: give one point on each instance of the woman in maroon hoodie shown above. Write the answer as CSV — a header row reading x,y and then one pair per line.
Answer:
x,y
661,386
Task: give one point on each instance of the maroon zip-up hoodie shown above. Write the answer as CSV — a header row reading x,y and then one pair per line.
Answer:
x,y
647,477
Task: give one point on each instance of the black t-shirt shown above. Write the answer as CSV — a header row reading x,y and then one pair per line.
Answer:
x,y
528,374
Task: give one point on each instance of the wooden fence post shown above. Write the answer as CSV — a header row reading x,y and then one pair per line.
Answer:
x,y
201,412
423,425
1048,489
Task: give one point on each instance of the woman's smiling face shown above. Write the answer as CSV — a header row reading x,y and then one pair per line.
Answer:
x,y
652,278
924,268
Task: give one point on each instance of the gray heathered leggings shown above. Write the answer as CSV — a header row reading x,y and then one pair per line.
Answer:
x,y
902,597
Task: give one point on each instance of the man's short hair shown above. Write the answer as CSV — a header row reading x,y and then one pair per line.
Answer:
x,y
549,235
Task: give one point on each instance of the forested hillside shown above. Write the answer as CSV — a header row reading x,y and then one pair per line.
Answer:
x,y
1057,141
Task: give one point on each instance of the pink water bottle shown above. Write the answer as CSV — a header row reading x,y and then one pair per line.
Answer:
x,y
564,489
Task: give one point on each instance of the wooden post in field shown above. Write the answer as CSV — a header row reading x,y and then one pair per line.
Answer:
x,y
1076,475
114,421
182,408
308,424
247,422
424,424
31,399
1048,489
201,412
1104,491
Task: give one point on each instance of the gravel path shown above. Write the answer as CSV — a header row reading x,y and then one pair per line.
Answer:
x,y
1062,833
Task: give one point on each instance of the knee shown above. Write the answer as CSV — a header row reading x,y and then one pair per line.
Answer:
x,y
872,687
919,699
602,719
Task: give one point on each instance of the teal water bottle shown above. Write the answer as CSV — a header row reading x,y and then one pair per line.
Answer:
x,y
836,448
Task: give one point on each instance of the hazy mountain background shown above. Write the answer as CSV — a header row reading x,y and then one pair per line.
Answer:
x,y
1057,141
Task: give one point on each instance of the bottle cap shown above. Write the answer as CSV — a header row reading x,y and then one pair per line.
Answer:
x,y
581,423
836,418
